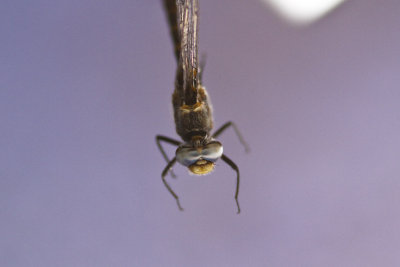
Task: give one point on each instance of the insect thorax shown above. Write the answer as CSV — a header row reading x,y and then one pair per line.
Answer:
x,y
193,120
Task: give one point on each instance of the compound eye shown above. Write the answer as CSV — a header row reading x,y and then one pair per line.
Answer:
x,y
187,155
212,151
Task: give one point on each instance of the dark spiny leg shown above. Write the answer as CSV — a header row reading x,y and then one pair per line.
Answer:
x,y
235,167
160,138
241,139
164,173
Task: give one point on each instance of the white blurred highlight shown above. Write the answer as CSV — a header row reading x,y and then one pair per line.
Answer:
x,y
303,12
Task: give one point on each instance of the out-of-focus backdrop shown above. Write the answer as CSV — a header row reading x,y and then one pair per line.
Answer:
x,y
86,85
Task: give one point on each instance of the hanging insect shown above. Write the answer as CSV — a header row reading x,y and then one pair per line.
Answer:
x,y
191,103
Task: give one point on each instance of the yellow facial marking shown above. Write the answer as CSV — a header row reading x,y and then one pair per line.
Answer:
x,y
201,167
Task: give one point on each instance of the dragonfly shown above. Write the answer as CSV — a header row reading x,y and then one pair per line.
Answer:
x,y
192,108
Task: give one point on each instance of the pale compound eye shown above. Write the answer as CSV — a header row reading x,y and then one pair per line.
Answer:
x,y
187,155
212,151
190,155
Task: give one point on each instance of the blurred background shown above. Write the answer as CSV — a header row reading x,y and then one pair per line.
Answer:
x,y
86,85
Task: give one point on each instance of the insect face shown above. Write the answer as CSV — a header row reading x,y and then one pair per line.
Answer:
x,y
200,160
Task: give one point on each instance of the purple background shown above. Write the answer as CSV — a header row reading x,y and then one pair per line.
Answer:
x,y
86,85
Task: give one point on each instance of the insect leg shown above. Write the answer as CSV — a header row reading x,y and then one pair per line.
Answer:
x,y
239,135
236,169
163,174
171,141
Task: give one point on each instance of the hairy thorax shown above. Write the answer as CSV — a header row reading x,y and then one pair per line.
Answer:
x,y
193,120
